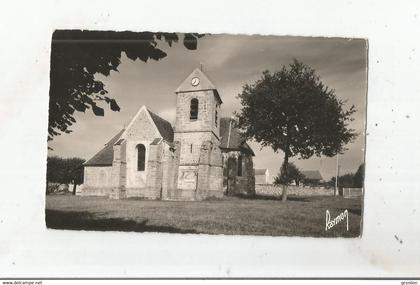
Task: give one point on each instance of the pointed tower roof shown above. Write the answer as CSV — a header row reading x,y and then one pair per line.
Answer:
x,y
200,83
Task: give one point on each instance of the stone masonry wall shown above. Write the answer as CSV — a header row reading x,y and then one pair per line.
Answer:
x,y
97,176
190,158
154,171
143,132
190,144
276,191
196,175
216,173
204,169
118,173
97,181
170,165
249,173
234,184
206,112
209,172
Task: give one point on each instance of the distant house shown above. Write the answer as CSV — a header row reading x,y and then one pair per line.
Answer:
x,y
312,177
262,176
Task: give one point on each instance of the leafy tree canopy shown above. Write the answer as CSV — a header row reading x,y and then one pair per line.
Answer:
x,y
65,170
293,174
350,180
359,176
293,111
76,56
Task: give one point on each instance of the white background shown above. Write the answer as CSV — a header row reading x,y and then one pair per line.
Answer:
x,y
392,198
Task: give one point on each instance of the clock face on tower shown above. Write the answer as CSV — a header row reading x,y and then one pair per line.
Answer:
x,y
195,81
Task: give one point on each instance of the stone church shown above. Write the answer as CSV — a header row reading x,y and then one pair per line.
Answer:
x,y
201,156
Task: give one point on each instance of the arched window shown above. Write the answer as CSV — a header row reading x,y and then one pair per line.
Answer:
x,y
194,109
240,165
141,157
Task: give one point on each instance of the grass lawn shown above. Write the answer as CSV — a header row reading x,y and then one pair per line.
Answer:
x,y
300,216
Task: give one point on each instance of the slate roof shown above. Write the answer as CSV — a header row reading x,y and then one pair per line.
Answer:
x,y
164,127
260,171
233,139
106,155
312,174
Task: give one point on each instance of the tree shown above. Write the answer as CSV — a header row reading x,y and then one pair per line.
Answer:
x,y
76,56
292,111
346,181
65,170
359,176
350,180
293,174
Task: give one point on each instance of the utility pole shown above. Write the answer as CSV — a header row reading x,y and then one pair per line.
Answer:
x,y
337,175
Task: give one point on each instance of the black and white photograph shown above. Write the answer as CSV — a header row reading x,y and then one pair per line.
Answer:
x,y
206,133
203,141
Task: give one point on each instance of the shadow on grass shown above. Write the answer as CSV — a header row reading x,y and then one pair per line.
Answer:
x,y
71,220
354,211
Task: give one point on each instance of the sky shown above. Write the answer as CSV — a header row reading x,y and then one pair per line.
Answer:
x,y
229,61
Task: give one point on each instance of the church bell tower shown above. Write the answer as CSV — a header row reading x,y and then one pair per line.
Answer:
x,y
197,128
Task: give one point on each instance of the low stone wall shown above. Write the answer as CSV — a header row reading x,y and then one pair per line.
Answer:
x,y
271,190
352,192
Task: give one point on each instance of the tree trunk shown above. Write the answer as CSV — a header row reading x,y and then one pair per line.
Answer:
x,y
284,193
285,166
74,187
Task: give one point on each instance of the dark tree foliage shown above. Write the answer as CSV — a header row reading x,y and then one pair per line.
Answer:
x,y
350,180
359,176
65,170
293,174
76,56
293,111
346,181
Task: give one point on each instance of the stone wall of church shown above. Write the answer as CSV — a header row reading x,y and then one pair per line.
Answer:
x,y
170,166
192,182
142,131
206,112
162,170
232,183
154,172
118,173
199,173
215,176
246,183
210,172
97,181
191,156
190,144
